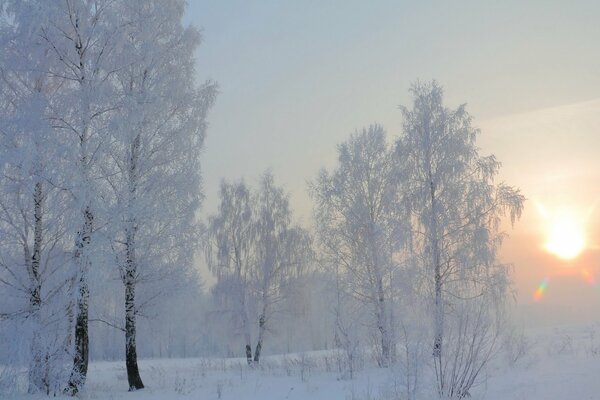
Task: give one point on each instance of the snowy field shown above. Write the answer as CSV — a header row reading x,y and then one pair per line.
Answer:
x,y
548,364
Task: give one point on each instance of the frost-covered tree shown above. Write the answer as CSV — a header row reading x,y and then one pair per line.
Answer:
x,y
157,134
31,249
79,37
456,209
283,251
348,319
230,253
33,219
361,227
76,39
257,254
101,111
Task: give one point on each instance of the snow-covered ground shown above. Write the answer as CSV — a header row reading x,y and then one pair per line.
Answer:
x,y
548,364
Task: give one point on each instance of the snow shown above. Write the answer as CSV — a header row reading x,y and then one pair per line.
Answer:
x,y
562,364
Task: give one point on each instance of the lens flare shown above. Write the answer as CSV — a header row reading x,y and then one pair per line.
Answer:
x,y
589,277
541,289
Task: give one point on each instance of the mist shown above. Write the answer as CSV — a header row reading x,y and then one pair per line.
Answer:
x,y
318,200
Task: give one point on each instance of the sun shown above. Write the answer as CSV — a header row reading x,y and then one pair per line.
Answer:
x,y
565,232
565,238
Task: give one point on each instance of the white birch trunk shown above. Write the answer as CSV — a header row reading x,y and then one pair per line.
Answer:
x,y
130,277
84,238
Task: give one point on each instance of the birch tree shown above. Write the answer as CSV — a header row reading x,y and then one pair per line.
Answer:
x,y
230,253
159,132
282,252
258,254
32,275
32,208
112,83
78,38
361,227
456,209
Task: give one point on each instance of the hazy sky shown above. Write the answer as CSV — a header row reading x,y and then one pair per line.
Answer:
x,y
297,77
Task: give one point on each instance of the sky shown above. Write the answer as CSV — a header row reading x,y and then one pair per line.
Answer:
x,y
296,78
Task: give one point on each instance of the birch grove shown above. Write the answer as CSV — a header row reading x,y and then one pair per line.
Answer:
x,y
118,125
106,254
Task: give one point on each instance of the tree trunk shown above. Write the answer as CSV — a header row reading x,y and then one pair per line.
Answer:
x,y
133,373
438,330
247,339
36,366
249,353
245,324
382,325
84,237
261,333
81,357
438,323
380,305
130,277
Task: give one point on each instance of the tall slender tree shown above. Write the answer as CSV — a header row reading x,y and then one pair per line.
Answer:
x,y
361,226
77,38
159,132
257,254
456,209
230,253
32,213
99,104
282,252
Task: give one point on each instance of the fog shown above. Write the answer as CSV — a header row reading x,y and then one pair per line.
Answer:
x,y
296,79
315,199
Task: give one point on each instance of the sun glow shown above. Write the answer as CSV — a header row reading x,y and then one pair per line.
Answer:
x,y
565,232
565,238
